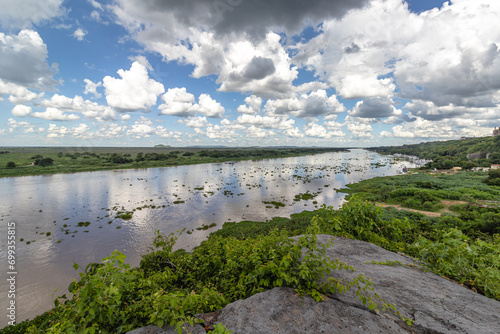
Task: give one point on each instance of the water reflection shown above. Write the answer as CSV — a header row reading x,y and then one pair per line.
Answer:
x,y
47,210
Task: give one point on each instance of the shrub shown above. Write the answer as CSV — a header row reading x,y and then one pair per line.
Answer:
x,y
44,162
11,164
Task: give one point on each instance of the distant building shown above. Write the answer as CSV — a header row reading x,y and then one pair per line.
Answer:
x,y
495,166
479,169
496,131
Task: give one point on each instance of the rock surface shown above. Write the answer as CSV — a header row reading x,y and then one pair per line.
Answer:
x,y
435,304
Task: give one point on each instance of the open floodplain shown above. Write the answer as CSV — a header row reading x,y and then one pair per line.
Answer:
x,y
63,219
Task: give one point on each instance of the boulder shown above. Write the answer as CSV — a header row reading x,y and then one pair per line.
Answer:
x,y
435,304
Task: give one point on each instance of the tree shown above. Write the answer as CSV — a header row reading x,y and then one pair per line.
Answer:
x,y
44,162
493,177
11,164
494,157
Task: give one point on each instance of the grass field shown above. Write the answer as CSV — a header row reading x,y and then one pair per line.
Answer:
x,y
19,161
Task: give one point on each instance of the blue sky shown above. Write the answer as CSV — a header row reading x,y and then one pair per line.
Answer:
x,y
244,73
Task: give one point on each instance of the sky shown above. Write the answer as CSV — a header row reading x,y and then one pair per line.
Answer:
x,y
336,73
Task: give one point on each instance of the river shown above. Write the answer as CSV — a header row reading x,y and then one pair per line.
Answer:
x,y
66,218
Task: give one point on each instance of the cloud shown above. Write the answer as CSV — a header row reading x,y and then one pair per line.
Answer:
x,y
252,18
375,107
23,61
18,94
259,68
265,121
218,132
425,129
447,56
256,132
91,110
54,114
359,130
194,122
91,88
209,107
315,104
134,91
430,111
262,68
13,124
24,13
353,48
95,4
80,131
253,104
316,130
144,128
79,34
293,133
462,56
21,110
178,102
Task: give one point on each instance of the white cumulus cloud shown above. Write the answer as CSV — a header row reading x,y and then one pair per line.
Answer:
x,y
133,91
23,61
79,34
24,13
91,88
54,114
21,110
178,102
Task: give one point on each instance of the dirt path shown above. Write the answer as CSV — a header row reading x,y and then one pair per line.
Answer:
x,y
446,209
399,207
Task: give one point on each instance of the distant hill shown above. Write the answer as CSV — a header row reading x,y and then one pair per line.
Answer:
x,y
162,146
465,153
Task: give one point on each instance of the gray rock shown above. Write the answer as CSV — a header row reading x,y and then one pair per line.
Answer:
x,y
435,304
153,329
281,310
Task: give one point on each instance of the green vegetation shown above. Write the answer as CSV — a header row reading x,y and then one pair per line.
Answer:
x,y
493,177
276,204
452,153
305,196
112,297
206,227
20,161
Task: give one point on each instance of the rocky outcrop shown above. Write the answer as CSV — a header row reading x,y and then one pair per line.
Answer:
x,y
435,304
477,155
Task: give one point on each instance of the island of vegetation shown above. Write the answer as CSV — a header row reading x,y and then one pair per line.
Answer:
x,y
19,161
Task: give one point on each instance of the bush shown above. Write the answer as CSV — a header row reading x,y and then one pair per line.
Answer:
x,y
473,263
44,162
493,177
11,164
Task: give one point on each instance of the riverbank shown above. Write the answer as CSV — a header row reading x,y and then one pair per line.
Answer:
x,y
23,161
